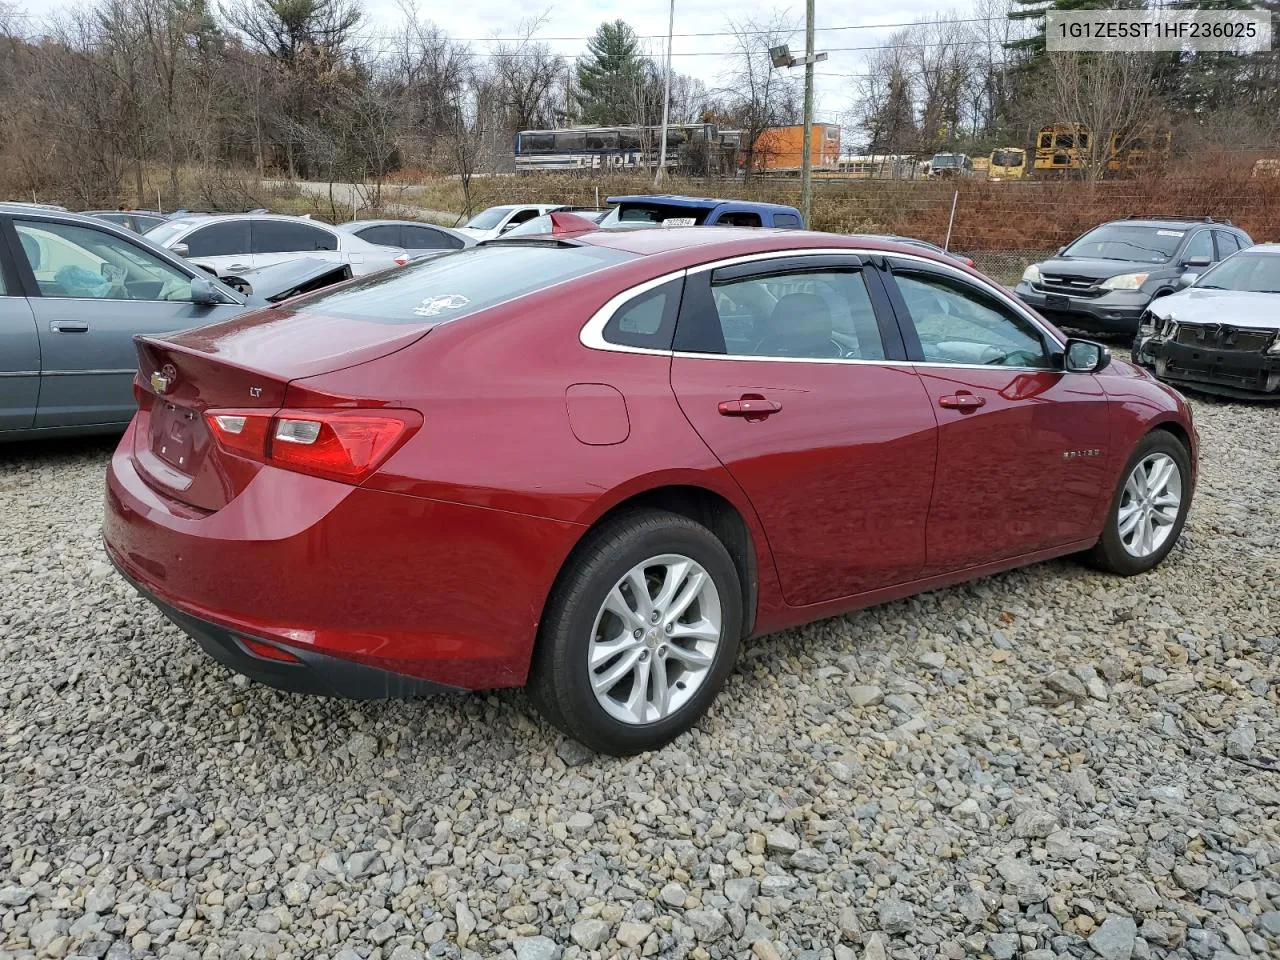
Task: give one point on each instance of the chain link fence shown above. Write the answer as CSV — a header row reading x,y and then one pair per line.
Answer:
x,y
1006,266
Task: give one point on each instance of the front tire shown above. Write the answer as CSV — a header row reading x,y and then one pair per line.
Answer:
x,y
639,633
1148,510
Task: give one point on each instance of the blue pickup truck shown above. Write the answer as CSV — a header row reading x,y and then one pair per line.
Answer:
x,y
699,211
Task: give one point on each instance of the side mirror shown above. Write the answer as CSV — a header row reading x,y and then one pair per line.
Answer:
x,y
180,250
509,226
1085,356
203,292
1197,262
1187,279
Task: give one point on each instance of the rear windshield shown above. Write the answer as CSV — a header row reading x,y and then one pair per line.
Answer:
x,y
656,213
458,284
1251,272
1122,241
1007,158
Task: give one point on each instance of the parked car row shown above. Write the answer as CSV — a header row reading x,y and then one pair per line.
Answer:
x,y
1200,299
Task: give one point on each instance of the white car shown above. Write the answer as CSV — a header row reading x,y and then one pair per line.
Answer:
x,y
494,222
227,244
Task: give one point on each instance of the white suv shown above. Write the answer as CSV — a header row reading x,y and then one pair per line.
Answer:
x,y
228,244
494,222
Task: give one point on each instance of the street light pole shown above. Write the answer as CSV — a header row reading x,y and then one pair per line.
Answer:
x,y
666,99
806,161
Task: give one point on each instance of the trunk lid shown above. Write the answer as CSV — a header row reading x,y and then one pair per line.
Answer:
x,y
245,363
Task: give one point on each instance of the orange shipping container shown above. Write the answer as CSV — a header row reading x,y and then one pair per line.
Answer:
x,y
778,148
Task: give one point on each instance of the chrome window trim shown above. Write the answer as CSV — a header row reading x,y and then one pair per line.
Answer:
x,y
131,371
592,333
19,373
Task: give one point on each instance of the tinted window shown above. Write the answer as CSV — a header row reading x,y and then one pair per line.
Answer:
x,y
1124,241
960,324
537,142
1201,245
739,219
446,288
1227,243
786,220
387,235
284,236
74,261
811,314
649,320
656,213
521,217
424,238
225,239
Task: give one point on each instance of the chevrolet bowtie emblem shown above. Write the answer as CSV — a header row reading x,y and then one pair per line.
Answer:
x,y
163,378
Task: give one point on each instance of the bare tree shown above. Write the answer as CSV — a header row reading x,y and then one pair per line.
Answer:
x,y
884,100
755,95
1110,94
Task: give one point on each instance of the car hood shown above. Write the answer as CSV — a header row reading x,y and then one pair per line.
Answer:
x,y
473,232
1233,307
1095,269
272,283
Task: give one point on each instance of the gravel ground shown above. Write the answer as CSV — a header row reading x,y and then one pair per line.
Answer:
x,y
1047,763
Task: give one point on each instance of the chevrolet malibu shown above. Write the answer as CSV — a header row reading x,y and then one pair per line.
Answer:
x,y
595,463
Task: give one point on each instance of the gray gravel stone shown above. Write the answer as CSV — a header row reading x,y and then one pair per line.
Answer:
x,y
1003,946
810,860
536,948
590,934
709,925
15,896
865,695
1113,940
1191,876
896,916
1241,743
632,934
782,842
741,890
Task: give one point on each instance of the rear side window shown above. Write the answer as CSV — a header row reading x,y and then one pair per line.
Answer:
x,y
224,239
739,218
424,238
448,288
648,320
283,236
786,220
387,235
1227,244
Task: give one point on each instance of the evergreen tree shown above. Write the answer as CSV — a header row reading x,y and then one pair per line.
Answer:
x,y
610,76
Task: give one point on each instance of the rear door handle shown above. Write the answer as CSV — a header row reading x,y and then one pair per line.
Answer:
x,y
964,402
69,326
749,407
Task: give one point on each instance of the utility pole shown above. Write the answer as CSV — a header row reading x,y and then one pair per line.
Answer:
x,y
806,160
666,99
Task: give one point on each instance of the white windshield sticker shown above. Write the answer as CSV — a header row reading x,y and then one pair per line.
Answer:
x,y
680,222
434,306
1171,233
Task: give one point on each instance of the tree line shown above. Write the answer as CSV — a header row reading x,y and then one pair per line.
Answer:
x,y
96,100
974,80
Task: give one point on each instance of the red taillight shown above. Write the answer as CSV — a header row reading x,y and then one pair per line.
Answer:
x,y
402,260
267,652
343,445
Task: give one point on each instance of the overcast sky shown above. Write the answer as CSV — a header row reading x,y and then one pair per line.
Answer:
x,y
577,19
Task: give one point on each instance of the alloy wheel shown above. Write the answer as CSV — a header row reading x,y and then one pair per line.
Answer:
x,y
655,639
1149,505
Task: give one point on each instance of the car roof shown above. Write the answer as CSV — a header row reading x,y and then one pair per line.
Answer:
x,y
706,244
64,216
694,203
361,224
1172,223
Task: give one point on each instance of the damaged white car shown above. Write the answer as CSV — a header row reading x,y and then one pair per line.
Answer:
x,y
1221,333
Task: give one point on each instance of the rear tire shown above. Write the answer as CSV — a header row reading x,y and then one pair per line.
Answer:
x,y
1143,523
640,631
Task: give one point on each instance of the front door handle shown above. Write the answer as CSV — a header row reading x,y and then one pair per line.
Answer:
x,y
752,408
69,326
239,266
964,402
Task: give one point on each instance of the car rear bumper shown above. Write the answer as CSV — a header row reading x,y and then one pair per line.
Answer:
x,y
436,591
1230,373
1117,312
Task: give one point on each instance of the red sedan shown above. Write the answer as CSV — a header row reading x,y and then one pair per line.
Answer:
x,y
595,463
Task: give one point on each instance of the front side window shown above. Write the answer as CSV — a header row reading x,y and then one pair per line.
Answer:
x,y
69,260
819,314
229,238
284,236
1201,245
960,324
